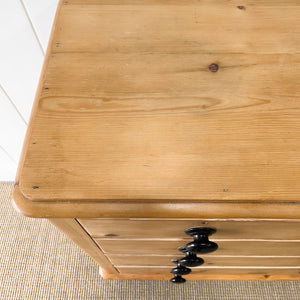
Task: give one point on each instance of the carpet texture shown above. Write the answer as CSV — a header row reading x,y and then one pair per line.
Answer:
x,y
38,262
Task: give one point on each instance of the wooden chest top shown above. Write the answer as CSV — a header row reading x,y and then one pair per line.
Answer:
x,y
155,101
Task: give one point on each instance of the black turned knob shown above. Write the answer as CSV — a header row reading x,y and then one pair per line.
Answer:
x,y
178,272
190,259
201,244
178,279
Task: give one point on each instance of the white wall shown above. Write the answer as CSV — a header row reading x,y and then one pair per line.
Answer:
x,y
25,27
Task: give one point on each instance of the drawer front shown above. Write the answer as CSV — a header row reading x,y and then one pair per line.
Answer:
x,y
169,247
210,261
213,271
226,229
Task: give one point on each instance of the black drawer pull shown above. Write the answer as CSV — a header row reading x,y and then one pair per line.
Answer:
x,y
178,272
201,243
190,259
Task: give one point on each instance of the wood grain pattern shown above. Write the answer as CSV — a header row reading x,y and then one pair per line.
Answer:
x,y
226,229
209,261
174,84
179,26
129,122
263,3
208,271
227,247
230,135
131,209
202,129
200,276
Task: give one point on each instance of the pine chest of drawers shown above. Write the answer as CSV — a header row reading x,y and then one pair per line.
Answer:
x,y
166,125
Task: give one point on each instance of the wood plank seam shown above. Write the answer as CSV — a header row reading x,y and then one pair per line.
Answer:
x,y
97,245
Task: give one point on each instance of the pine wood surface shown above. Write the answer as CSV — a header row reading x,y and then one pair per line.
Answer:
x,y
158,271
226,247
131,209
263,276
129,121
174,229
179,26
128,110
209,261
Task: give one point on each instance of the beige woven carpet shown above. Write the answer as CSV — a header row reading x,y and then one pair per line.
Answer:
x,y
38,262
